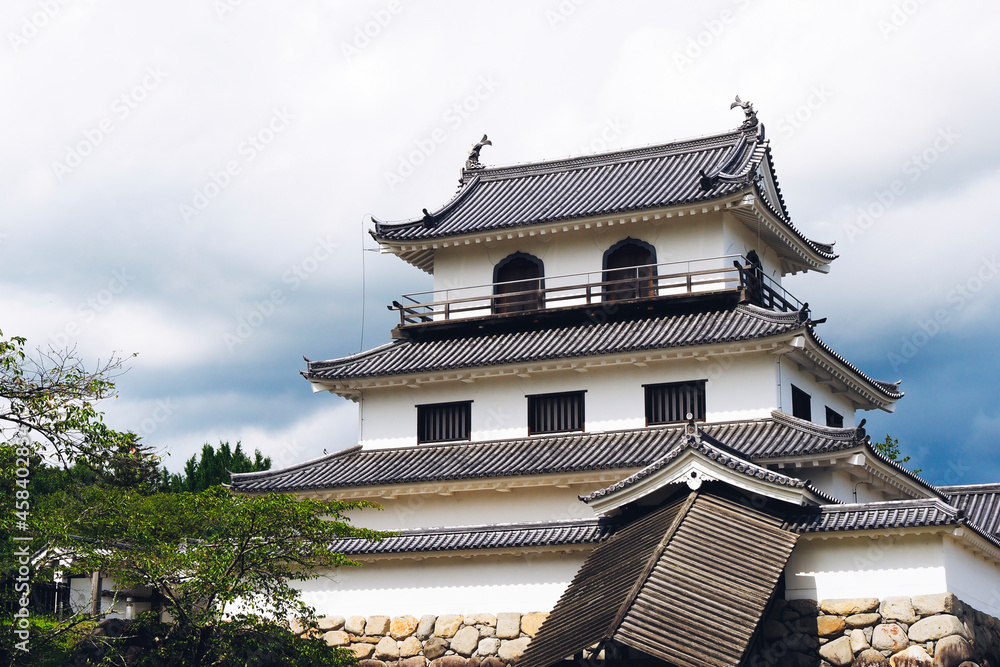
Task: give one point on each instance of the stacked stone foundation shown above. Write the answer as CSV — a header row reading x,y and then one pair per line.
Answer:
x,y
920,631
450,640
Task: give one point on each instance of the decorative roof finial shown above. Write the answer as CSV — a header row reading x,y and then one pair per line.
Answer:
x,y
748,110
473,161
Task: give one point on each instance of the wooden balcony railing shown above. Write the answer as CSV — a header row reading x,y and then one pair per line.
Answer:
x,y
643,283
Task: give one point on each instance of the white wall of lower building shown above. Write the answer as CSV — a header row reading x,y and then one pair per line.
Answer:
x,y
738,387
79,597
450,585
972,578
862,566
849,565
476,508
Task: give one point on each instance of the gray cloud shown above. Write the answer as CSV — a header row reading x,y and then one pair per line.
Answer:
x,y
175,102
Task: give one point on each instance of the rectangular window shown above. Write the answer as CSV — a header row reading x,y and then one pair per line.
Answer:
x,y
555,413
440,422
801,404
672,402
834,418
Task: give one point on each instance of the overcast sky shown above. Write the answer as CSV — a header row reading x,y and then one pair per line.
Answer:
x,y
190,180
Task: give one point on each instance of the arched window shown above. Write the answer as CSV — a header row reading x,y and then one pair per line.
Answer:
x,y
629,270
518,283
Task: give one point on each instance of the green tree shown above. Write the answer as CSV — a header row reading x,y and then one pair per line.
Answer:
x,y
51,398
213,468
890,448
210,556
219,561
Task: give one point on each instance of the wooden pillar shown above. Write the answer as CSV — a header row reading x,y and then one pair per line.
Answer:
x,y
95,593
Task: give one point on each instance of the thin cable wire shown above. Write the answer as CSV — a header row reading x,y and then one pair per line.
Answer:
x,y
364,278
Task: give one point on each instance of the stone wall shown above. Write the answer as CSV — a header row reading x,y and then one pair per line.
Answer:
x,y
922,631
451,640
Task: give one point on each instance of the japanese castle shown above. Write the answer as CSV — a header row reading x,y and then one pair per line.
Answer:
x,y
610,432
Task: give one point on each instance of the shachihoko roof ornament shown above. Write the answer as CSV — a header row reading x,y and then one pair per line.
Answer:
x,y
473,161
748,110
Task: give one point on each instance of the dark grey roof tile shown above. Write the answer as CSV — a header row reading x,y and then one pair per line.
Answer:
x,y
758,439
980,502
875,516
495,536
744,322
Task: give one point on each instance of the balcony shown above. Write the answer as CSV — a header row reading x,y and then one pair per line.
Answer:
x,y
732,274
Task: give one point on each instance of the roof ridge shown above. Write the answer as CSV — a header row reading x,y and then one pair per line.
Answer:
x,y
889,389
713,449
893,504
852,434
496,527
590,160
983,487
329,363
261,474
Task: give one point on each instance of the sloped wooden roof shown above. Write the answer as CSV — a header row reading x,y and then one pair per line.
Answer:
x,y
687,584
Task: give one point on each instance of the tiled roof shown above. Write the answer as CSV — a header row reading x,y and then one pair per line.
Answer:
x,y
890,389
504,197
980,502
875,516
508,536
757,439
743,322
609,183
713,451
400,357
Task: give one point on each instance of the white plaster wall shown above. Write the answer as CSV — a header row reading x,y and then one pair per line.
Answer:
x,y
861,566
675,239
841,485
789,374
471,508
449,585
738,240
79,598
738,387
972,578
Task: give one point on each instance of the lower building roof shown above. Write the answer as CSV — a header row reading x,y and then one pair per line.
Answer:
x,y
893,514
486,537
980,502
757,439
